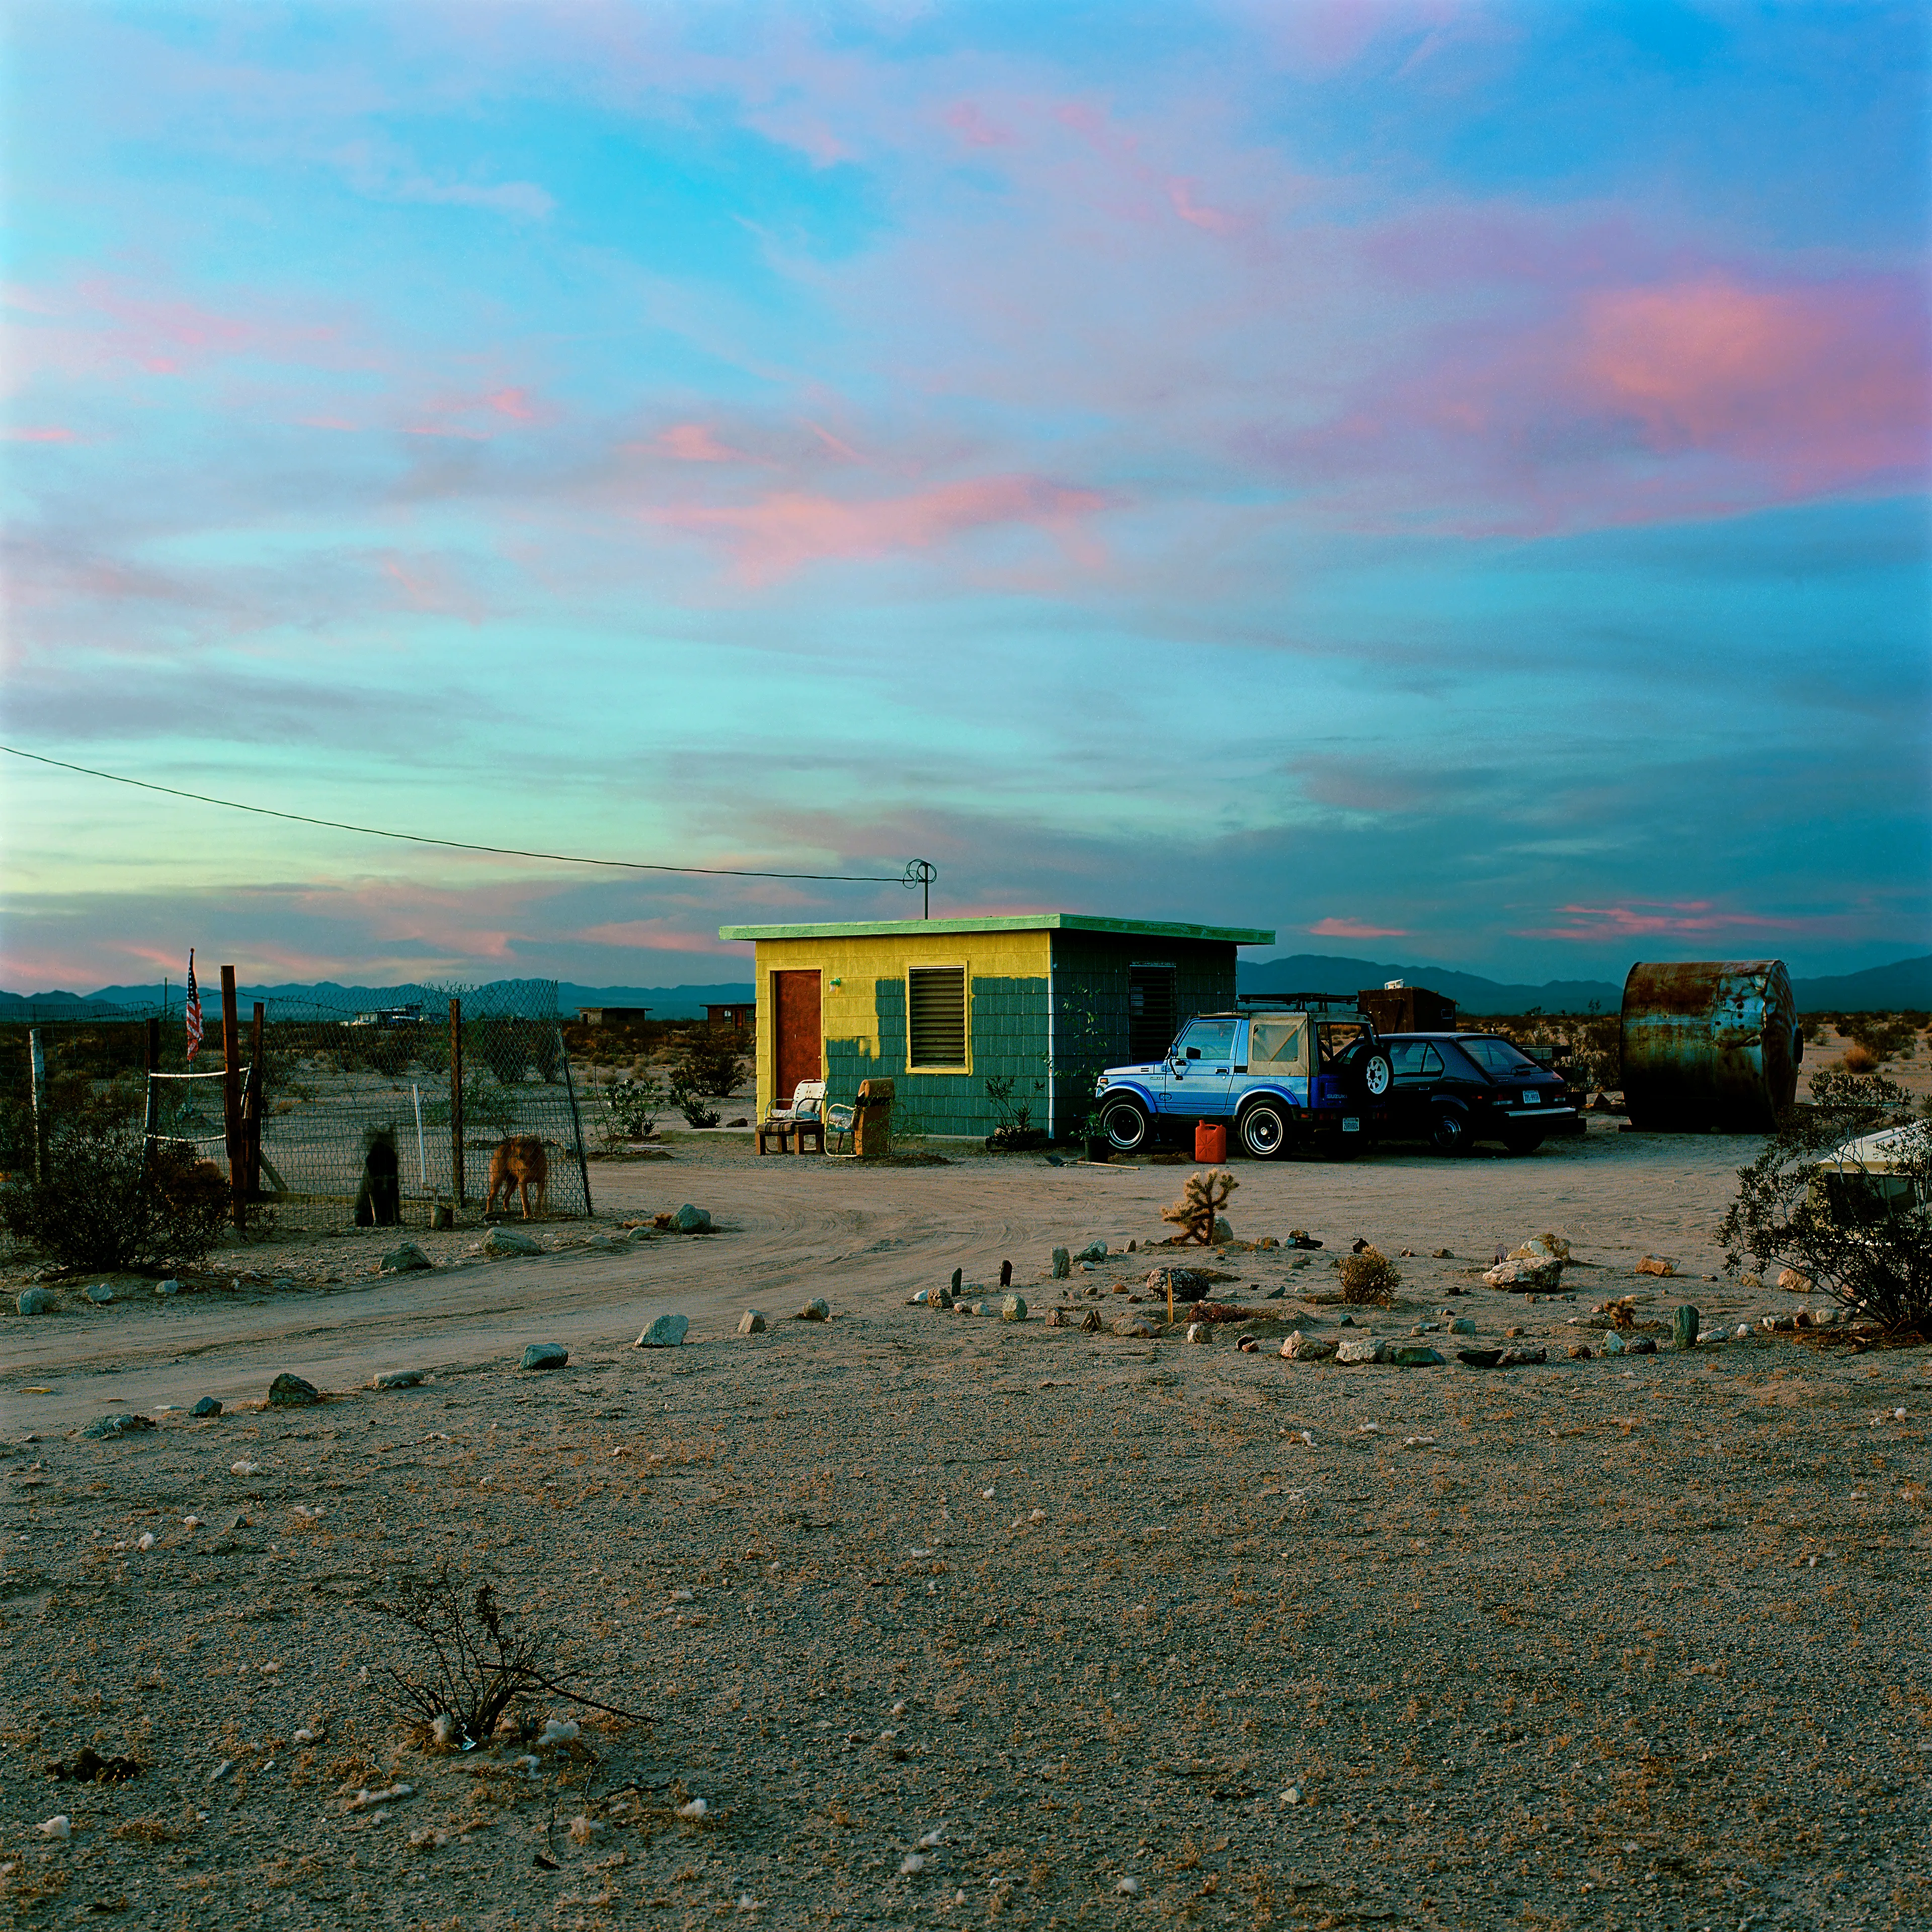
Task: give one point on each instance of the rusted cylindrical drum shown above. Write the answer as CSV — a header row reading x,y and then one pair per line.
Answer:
x,y
1713,1043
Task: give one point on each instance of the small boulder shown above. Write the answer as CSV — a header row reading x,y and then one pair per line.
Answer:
x,y
1223,1232
1461,1325
1188,1284
1062,1264
1480,1358
1579,1351
397,1379
288,1391
1523,1272
207,1406
751,1322
1136,1327
408,1259
1300,1347
1013,1308
105,1428
1058,1317
1656,1265
1362,1348
545,1355
35,1301
1202,1332
1094,1251
1416,1355
1792,1282
817,1310
1640,1345
170,1286
500,1241
1516,1357
668,1331
1684,1328
1091,1323
101,1294
690,1220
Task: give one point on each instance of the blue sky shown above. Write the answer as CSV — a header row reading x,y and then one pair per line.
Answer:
x,y
1446,482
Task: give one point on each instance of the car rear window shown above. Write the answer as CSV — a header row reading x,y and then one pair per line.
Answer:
x,y
1497,1056
1279,1045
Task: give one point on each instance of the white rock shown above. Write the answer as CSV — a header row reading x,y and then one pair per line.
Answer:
x,y
242,1468
697,1808
558,1731
1128,1888
912,1862
221,1771
932,1838
682,1597
59,1826
987,1494
147,1541
1292,1795
443,1730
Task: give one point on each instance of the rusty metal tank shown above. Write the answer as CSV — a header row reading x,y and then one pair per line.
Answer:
x,y
1710,1044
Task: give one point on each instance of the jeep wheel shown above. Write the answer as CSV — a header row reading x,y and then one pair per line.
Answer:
x,y
1377,1074
1265,1129
1449,1133
1126,1124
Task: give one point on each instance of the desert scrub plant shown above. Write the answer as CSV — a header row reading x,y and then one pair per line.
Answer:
x,y
97,1208
630,1105
1861,1233
1370,1280
477,1662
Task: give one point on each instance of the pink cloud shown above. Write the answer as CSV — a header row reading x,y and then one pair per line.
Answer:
x,y
1356,929
1180,193
694,442
973,128
1655,919
46,433
476,418
787,530
658,934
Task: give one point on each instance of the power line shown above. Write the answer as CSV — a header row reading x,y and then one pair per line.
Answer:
x,y
917,874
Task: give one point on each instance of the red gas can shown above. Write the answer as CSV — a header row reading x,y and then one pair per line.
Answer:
x,y
1211,1143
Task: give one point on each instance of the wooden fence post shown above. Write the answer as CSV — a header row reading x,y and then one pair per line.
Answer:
x,y
231,1101
36,1065
251,1112
151,1124
456,1100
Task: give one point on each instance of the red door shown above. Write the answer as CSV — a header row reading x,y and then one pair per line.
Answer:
x,y
795,1013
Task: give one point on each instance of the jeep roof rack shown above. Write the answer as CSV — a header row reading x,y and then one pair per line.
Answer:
x,y
1298,1000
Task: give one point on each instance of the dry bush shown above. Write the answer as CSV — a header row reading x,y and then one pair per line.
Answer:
x,y
1370,1280
97,1208
1859,1058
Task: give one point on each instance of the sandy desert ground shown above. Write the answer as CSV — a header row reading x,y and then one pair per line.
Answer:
x,y
945,1618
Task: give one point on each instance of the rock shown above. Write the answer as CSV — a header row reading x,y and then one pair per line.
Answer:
x,y
206,1407
958,1275
1188,1284
1300,1261
170,1286
943,1298
545,1355
443,1216
920,1300
105,1428
1480,1358
1200,1332
283,1284
288,1391
1277,1294
817,1310
1526,1271
690,1220
1136,1327
1517,1357
508,1241
396,1379
1058,1317
101,1294
1304,1348
1094,1251
1062,1264
35,1301
1510,1334
668,1331
410,1259
1248,1344
1362,1348
751,1322
985,1308
1579,1351
1416,1355
1792,1282
1750,1281
1684,1328
1614,1344
1542,1247
1640,1345
1441,1254
1223,1231
1013,1308
1461,1325
1656,1265
1090,1322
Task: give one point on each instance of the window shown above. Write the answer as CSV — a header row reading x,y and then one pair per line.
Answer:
x,y
1210,1040
1413,1059
936,1016
1278,1045
1497,1056
1150,1011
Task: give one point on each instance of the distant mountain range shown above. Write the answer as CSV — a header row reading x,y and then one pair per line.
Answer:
x,y
1905,984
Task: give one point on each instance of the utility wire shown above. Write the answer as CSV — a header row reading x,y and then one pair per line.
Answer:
x,y
916,874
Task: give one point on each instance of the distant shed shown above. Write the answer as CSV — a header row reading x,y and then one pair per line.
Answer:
x,y
599,1016
942,1006
735,1014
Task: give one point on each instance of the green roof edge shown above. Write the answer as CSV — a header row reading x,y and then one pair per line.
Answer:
x,y
1041,921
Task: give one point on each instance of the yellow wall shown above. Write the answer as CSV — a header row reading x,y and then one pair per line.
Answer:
x,y
848,1010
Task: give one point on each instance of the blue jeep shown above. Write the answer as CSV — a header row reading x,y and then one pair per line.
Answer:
x,y
1281,1072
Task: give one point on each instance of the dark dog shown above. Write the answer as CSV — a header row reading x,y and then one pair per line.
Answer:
x,y
378,1201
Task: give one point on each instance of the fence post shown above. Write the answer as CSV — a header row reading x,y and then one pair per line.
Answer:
x,y
37,1067
576,1123
231,1101
252,1112
456,1100
151,1125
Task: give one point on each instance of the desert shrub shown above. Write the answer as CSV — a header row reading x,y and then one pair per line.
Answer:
x,y
17,1135
487,1108
709,1061
390,1049
1882,1036
1859,1058
1868,1242
1370,1280
501,1045
689,1100
630,1106
96,1209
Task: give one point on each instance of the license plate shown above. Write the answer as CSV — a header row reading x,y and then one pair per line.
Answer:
x,y
1530,1097
1349,1126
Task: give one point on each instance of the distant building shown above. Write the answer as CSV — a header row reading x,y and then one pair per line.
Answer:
x,y
942,1007
733,1015
391,1016
599,1016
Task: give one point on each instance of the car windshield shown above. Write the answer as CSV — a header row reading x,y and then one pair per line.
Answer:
x,y
1207,1040
1497,1056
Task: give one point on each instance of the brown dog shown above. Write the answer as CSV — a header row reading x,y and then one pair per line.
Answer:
x,y
521,1163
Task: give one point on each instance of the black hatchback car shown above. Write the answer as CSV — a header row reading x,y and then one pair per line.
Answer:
x,y
1454,1089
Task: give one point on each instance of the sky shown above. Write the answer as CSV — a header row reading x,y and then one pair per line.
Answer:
x,y
1445,482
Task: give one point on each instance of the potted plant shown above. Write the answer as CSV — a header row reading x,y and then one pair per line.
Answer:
x,y
1091,1133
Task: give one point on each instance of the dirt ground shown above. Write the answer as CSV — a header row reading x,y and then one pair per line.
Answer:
x,y
1632,1641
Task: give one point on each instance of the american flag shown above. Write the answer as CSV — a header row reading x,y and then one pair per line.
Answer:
x,y
193,1008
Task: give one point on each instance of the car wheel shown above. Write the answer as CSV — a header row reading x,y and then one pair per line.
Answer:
x,y
1449,1132
1126,1124
1265,1129
1523,1142
1377,1074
